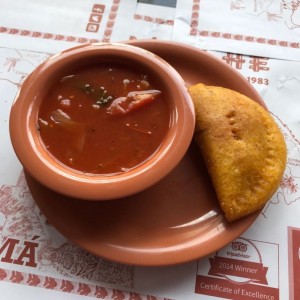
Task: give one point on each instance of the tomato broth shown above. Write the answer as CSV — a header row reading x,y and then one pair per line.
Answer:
x,y
103,119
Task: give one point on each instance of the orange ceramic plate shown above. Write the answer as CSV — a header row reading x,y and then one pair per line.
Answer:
x,y
175,221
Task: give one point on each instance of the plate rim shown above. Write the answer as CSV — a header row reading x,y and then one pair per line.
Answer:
x,y
155,259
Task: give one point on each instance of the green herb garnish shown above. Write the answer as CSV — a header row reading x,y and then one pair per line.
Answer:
x,y
99,94
87,88
104,99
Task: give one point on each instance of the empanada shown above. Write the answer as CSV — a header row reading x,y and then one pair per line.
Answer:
x,y
244,149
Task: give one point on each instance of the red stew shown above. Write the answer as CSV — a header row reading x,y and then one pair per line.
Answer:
x,y
104,119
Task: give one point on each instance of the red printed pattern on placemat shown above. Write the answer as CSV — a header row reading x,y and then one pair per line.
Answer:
x,y
231,36
294,262
195,17
153,20
248,38
111,20
47,35
95,18
28,240
69,38
73,287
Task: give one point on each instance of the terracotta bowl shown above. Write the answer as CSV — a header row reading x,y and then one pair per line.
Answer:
x,y
46,169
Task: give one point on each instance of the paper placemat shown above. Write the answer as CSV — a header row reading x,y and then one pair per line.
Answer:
x,y
269,28
37,262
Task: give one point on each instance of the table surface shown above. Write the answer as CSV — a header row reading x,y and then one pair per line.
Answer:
x,y
260,40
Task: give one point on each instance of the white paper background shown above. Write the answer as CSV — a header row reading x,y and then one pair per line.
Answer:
x,y
281,95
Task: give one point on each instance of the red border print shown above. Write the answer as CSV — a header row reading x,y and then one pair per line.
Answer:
x,y
231,36
153,20
195,17
294,262
111,20
250,39
68,286
69,38
47,35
